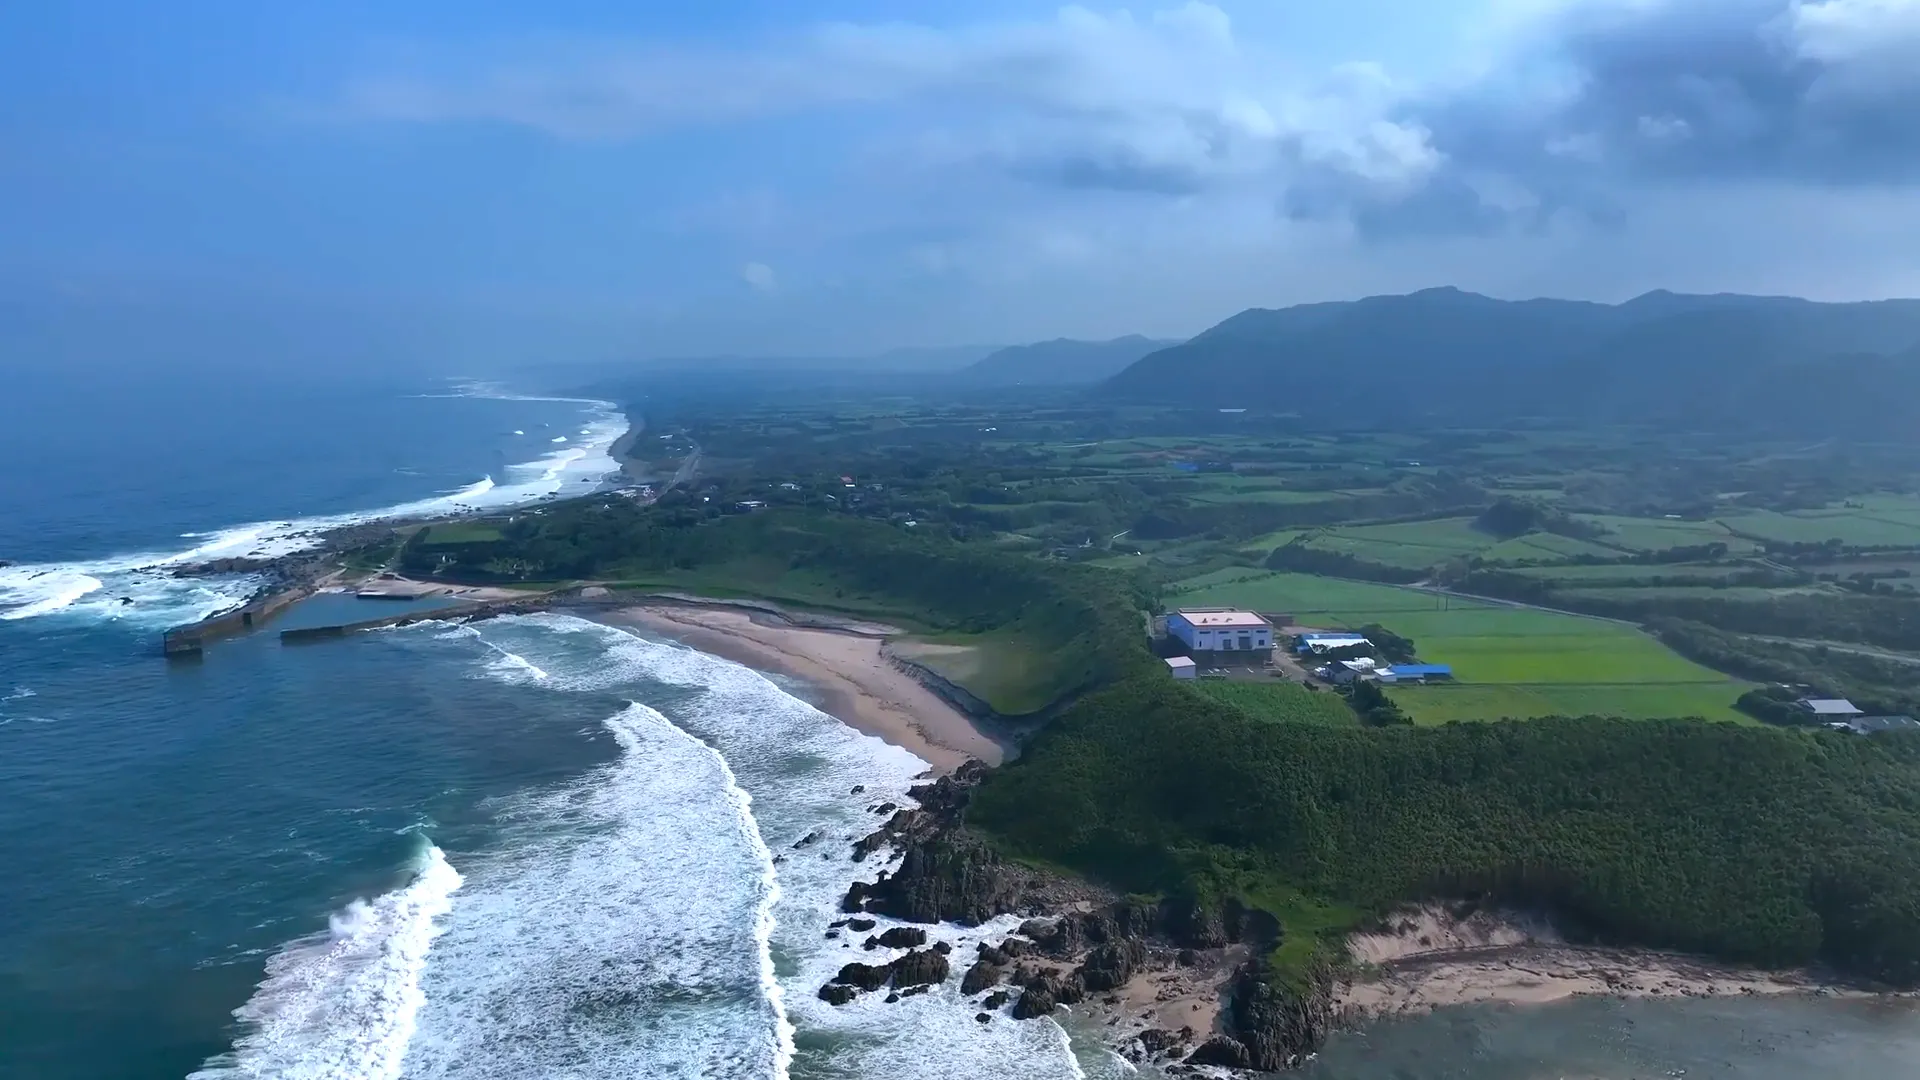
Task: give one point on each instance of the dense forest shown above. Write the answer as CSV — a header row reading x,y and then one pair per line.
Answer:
x,y
1762,846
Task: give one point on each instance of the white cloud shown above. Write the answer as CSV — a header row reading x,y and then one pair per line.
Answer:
x,y
759,275
1173,101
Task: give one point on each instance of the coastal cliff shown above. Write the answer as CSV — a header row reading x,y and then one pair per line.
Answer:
x,y
1126,956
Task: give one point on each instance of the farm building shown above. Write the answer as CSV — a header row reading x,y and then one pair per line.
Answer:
x,y
1221,630
1417,673
1830,708
1346,671
1322,641
1181,667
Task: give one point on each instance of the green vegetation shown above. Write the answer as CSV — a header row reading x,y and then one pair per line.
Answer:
x,y
1763,846
1280,702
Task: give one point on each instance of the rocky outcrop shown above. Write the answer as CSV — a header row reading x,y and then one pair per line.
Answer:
x,y
923,968
1109,966
1095,943
914,973
980,976
1222,1051
1276,1023
899,937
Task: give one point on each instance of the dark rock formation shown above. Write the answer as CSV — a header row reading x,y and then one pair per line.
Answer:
x,y
1109,966
899,937
942,948
978,977
811,838
860,925
858,788
837,994
996,999
983,1018
1276,1024
863,976
920,968
1033,1002
1223,1051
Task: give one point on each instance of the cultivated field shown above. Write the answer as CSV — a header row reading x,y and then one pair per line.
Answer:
x,y
1508,661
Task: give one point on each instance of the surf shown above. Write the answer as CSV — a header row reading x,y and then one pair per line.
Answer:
x,y
343,1005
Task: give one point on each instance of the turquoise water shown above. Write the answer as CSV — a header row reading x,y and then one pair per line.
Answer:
x,y
529,847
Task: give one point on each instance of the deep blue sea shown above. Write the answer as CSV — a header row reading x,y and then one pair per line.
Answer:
x,y
533,848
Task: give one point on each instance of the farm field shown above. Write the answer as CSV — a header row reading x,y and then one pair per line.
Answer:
x,y
1521,662
1541,546
1659,534
1431,705
1856,528
1569,576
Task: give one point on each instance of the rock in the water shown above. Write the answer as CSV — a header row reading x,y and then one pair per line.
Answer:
x,y
900,937
864,976
983,1018
833,933
920,968
1034,1001
811,838
912,990
893,997
942,948
837,994
858,788
886,808
978,977
860,925
996,999
1222,1051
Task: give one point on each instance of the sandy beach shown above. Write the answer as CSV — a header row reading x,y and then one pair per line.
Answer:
x,y
1427,958
854,680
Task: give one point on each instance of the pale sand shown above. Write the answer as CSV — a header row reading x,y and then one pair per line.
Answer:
x,y
1427,958
855,681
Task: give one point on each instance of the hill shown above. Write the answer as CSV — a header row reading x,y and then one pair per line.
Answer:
x,y
1062,361
1713,361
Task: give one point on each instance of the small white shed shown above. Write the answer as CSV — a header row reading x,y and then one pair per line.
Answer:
x,y
1181,667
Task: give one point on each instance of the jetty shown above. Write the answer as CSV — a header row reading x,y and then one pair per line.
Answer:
x,y
189,640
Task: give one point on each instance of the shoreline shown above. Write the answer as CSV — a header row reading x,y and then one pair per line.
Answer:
x,y
844,665
1429,958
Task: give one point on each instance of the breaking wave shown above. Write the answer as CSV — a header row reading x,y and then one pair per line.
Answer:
x,y
141,585
343,1005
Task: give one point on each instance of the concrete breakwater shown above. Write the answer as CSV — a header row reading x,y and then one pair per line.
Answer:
x,y
189,640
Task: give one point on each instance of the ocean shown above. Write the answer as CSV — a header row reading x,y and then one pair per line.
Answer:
x,y
530,847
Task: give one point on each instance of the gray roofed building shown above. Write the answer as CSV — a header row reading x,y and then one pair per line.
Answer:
x,y
1834,707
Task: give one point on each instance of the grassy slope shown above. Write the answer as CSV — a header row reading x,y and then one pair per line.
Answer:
x,y
1280,702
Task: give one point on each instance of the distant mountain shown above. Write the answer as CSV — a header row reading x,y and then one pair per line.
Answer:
x,y
1060,362
1447,354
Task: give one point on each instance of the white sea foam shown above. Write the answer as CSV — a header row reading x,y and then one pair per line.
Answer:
x,y
343,1005
59,591
20,692
680,878
560,438
140,586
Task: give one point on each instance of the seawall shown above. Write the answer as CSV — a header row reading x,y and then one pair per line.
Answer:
x,y
189,640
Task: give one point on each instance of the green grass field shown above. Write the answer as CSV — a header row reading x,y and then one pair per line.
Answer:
x,y
1863,528
1659,534
1519,661
1537,546
1281,702
460,532
1446,704
1573,576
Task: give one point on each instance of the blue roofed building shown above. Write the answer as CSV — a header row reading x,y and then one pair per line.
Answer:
x,y
1417,673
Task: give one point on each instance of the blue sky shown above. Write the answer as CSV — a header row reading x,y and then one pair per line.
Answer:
x,y
810,176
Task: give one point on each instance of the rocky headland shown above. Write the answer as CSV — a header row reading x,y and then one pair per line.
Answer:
x,y
1182,983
